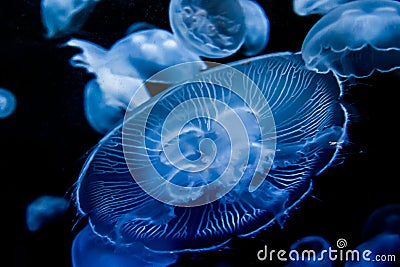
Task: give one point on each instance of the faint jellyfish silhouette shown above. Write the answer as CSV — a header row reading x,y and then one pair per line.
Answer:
x,y
62,17
212,29
310,251
355,39
382,250
8,103
122,69
135,186
257,28
385,219
321,7
44,210
90,250
139,26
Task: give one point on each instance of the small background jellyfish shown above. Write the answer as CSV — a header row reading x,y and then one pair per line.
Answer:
x,y
121,70
213,29
355,39
381,235
257,28
64,17
8,103
310,243
44,210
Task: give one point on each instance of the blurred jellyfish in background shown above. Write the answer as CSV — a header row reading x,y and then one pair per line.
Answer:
x,y
191,136
122,69
90,250
212,29
63,17
385,219
355,39
257,28
381,234
44,210
321,7
8,103
139,26
316,244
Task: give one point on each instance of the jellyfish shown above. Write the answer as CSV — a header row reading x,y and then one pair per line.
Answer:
x,y
383,250
44,210
257,28
310,251
90,250
385,219
8,103
355,39
62,17
321,7
228,152
213,29
124,67
140,26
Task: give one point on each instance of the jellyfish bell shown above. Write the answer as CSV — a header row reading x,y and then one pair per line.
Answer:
x,y
213,29
8,103
321,7
257,28
355,39
176,175
385,219
63,17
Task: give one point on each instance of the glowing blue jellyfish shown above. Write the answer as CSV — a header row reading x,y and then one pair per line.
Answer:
x,y
122,69
90,250
382,250
44,210
62,17
140,26
225,153
257,28
212,29
321,7
316,256
8,103
385,219
355,39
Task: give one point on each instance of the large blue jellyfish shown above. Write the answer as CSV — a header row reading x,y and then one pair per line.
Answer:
x,y
355,39
224,154
212,29
257,28
62,17
122,69
8,103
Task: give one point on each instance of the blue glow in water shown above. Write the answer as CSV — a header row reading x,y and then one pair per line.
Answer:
x,y
257,28
355,39
385,219
316,244
44,210
212,29
8,103
121,70
89,250
309,121
62,17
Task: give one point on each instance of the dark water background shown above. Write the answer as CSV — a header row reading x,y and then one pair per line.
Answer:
x,y
43,144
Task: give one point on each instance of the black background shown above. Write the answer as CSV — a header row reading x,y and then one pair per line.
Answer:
x,y
43,144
